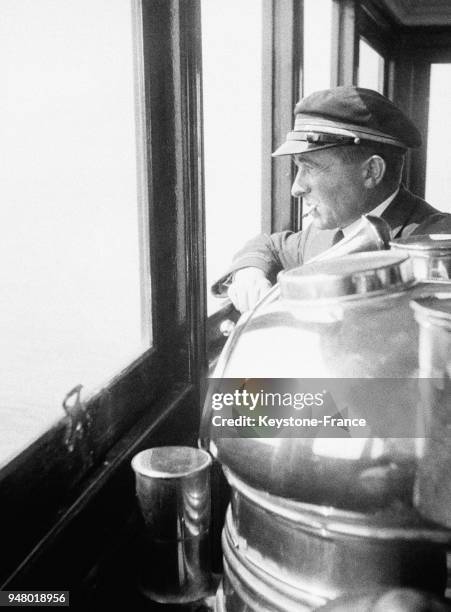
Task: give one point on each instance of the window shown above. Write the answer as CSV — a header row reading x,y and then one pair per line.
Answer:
x,y
147,208
371,67
317,45
72,272
438,181
232,103
254,55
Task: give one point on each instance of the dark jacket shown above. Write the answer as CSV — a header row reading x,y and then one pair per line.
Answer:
x,y
407,214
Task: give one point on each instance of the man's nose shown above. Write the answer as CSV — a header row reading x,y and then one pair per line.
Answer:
x,y
299,188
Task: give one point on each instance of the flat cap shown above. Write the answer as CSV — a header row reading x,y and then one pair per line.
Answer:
x,y
348,115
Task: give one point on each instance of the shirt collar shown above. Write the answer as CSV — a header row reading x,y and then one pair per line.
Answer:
x,y
376,212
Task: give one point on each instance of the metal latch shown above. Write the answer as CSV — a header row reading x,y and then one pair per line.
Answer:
x,y
79,419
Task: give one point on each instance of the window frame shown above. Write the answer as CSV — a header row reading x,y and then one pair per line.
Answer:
x,y
420,47
282,88
382,78
380,33
58,477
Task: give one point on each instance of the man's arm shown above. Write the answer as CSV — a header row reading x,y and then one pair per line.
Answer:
x,y
255,267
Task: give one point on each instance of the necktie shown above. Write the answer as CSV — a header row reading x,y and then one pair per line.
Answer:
x,y
337,237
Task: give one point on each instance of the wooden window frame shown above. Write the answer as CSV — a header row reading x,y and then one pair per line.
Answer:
x,y
352,20
380,32
50,492
282,88
344,48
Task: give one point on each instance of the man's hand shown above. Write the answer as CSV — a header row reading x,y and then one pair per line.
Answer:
x,y
249,285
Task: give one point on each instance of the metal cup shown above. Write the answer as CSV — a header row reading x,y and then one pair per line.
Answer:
x,y
173,490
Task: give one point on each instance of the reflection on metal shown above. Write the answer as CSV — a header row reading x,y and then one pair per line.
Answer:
x,y
433,313
430,255
381,600
173,490
249,587
282,555
355,276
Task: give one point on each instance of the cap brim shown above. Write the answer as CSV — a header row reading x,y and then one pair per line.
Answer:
x,y
293,147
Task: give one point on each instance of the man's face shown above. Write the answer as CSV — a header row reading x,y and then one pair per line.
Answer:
x,y
334,187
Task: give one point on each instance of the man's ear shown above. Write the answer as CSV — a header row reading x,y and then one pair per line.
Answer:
x,y
374,170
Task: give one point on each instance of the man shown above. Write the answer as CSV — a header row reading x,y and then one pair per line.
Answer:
x,y
349,145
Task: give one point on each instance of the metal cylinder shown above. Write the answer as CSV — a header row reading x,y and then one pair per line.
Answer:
x,y
173,491
430,255
433,485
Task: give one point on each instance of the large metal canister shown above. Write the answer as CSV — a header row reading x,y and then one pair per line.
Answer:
x,y
430,255
312,518
343,319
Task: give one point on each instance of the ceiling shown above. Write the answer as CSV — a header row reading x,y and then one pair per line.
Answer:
x,y
420,12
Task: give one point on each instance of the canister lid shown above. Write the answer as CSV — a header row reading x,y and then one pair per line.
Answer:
x,y
435,308
351,275
427,244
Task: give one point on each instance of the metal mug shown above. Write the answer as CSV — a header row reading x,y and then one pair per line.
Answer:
x,y
173,491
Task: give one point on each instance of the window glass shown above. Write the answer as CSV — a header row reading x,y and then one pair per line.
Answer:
x,y
317,45
371,67
70,267
438,178
232,77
